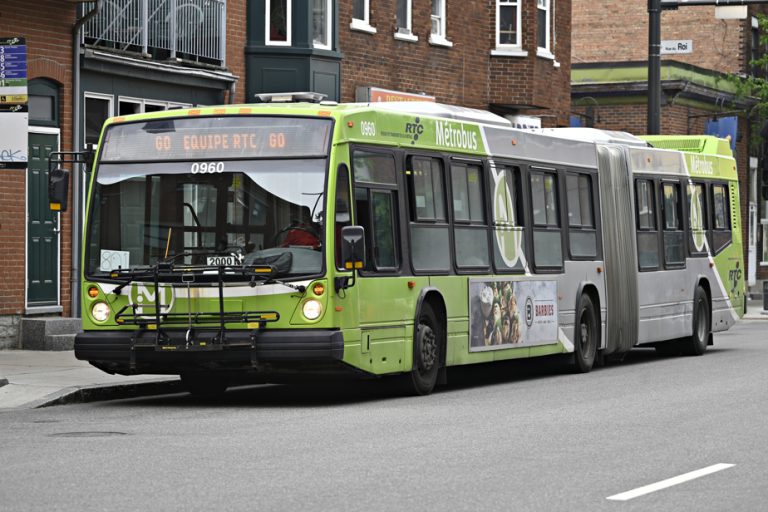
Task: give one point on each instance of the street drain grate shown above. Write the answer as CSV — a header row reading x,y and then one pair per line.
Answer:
x,y
90,433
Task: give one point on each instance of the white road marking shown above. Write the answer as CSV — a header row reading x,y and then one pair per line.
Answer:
x,y
669,482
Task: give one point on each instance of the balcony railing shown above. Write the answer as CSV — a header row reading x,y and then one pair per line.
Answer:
x,y
187,30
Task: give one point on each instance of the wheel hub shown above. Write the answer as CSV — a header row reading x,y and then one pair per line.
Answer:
x,y
428,345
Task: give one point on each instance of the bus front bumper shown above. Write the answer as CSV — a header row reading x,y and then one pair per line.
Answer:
x,y
131,352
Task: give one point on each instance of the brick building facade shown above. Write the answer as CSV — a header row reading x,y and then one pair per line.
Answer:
x,y
609,94
471,71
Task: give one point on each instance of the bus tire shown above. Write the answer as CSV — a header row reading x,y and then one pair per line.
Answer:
x,y
586,336
428,346
696,345
205,385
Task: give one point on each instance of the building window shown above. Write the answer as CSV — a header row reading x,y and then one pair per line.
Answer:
x,y
437,35
321,24
403,18
127,106
543,21
278,22
764,223
43,102
508,32
98,107
361,16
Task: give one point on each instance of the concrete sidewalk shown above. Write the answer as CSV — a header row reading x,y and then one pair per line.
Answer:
x,y
35,378
31,378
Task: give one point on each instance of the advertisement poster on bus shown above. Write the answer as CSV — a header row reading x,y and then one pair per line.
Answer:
x,y
508,314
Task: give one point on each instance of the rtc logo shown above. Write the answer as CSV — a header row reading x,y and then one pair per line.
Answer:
x,y
143,298
414,129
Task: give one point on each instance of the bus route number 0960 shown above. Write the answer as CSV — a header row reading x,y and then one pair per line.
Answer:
x,y
207,167
368,128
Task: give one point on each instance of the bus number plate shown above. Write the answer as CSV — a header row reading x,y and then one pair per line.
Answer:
x,y
223,261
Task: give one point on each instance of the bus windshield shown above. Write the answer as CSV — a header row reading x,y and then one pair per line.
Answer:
x,y
212,210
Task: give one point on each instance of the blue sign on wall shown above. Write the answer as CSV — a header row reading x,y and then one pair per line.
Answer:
x,y
724,127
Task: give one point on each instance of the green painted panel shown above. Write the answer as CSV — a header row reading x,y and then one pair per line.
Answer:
x,y
42,238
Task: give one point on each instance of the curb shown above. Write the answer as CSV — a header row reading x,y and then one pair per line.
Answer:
x,y
96,393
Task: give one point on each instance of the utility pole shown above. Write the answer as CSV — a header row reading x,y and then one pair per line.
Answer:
x,y
654,67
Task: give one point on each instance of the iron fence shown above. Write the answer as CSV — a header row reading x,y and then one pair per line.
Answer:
x,y
190,30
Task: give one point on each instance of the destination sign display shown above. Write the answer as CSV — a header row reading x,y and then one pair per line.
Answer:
x,y
217,138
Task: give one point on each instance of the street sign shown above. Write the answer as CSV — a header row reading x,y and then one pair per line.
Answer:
x,y
676,46
14,119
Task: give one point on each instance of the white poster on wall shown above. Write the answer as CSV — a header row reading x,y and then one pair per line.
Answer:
x,y
13,140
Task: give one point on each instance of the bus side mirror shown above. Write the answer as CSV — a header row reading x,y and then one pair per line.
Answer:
x,y
352,254
58,189
353,247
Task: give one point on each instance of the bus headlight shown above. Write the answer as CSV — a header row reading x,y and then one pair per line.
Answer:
x,y
312,309
100,311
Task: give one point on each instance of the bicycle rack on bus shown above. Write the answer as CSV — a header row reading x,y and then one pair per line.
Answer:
x,y
129,314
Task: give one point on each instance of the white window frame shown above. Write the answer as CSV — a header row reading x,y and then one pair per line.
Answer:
x,y
143,102
546,50
364,24
406,33
515,49
288,24
764,252
440,38
109,98
328,28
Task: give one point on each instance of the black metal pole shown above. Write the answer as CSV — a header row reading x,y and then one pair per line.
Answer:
x,y
654,67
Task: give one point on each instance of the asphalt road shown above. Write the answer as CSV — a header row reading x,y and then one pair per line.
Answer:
x,y
512,436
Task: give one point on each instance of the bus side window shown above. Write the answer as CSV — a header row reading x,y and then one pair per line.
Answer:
x,y
547,239
647,233
430,247
674,249
699,224
721,225
507,219
470,231
581,219
376,208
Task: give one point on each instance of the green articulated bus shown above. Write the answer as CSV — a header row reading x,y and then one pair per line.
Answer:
x,y
303,238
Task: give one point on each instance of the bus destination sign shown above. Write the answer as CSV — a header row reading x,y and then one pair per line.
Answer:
x,y
217,139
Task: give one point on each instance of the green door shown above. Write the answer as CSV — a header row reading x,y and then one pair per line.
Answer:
x,y
42,226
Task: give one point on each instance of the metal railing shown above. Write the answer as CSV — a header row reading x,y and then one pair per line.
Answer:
x,y
189,30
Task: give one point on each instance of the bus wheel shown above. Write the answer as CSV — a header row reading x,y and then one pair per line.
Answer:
x,y
427,350
205,385
696,345
586,338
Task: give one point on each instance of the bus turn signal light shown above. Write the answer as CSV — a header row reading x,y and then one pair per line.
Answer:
x,y
318,289
93,292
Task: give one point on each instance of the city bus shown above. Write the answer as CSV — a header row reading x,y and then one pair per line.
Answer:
x,y
296,238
